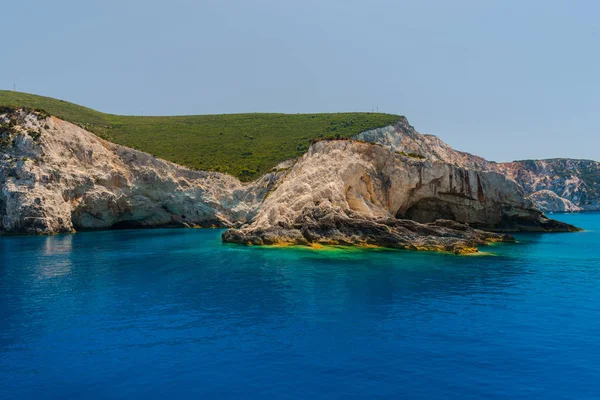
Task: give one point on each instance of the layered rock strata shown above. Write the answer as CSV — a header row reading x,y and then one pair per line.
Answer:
x,y
57,177
351,192
576,183
333,226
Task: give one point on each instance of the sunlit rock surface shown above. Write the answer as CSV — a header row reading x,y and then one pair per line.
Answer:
x,y
350,192
577,182
56,177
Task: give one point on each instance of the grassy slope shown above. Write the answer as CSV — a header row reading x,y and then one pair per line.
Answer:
x,y
244,145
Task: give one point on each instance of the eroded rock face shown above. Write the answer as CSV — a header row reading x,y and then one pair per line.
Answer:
x,y
351,192
56,177
576,182
403,138
549,201
319,225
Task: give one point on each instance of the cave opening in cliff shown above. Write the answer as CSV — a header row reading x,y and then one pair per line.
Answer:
x,y
428,210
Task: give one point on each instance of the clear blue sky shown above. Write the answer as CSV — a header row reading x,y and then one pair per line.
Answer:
x,y
502,79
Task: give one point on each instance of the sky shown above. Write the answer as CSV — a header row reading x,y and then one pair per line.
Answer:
x,y
502,79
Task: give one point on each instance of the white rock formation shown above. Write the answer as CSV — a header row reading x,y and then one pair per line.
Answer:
x,y
56,177
377,182
574,181
577,182
351,192
548,201
403,138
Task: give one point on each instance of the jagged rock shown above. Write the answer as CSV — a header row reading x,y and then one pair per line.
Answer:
x,y
403,138
334,226
577,182
56,177
548,201
64,178
341,187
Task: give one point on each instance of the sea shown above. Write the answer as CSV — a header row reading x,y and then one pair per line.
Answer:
x,y
177,314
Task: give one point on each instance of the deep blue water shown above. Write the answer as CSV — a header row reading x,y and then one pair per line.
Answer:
x,y
177,314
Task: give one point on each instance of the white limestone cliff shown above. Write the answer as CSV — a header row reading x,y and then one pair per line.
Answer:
x,y
576,182
351,192
56,177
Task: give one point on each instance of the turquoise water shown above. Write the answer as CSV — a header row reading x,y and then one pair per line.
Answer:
x,y
178,314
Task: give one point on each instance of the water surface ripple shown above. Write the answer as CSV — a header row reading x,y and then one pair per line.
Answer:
x,y
177,313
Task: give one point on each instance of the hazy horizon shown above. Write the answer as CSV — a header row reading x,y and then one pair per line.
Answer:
x,y
502,80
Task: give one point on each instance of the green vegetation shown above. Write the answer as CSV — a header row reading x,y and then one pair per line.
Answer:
x,y
244,145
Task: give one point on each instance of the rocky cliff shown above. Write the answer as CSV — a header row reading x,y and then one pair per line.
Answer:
x,y
56,177
558,185
350,192
575,183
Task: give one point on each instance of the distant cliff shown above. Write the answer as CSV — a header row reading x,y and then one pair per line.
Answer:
x,y
557,185
575,183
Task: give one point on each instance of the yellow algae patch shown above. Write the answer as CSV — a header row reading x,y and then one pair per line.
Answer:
x,y
481,253
369,246
282,244
334,247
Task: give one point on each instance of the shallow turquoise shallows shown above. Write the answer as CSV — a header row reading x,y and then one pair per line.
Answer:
x,y
157,314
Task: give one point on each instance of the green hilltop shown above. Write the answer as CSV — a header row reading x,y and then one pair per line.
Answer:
x,y
243,145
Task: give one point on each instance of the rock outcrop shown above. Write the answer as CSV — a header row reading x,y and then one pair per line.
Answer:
x,y
317,226
403,138
549,201
56,177
576,183
350,192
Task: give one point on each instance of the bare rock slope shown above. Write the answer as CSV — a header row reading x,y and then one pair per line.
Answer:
x,y
56,177
575,184
350,192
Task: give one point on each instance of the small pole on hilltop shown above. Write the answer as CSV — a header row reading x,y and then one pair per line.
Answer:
x,y
14,86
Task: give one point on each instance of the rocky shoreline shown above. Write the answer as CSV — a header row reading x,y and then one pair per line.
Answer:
x,y
57,177
355,193
317,226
